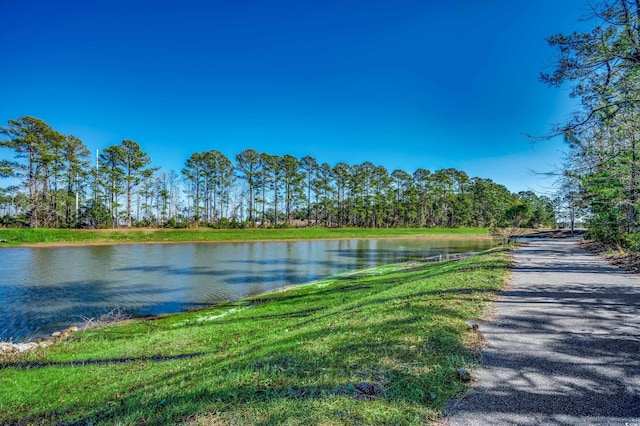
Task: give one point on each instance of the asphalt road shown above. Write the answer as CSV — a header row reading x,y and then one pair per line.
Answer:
x,y
564,345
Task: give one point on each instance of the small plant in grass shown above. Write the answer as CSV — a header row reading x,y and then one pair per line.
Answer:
x,y
114,316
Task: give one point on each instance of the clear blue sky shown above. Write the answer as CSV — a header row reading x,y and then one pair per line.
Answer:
x,y
403,84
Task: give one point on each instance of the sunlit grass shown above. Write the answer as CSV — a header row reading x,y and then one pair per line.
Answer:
x,y
18,236
293,357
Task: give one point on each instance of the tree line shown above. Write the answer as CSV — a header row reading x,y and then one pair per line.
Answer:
x,y
601,177
61,188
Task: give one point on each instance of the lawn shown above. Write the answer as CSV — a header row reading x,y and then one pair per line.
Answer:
x,y
26,236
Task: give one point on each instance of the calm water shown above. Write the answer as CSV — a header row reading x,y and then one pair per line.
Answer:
x,y
47,289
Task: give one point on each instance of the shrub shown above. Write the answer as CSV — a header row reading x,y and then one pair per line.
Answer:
x,y
631,241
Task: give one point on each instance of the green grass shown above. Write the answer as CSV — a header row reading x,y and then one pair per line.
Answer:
x,y
291,358
19,236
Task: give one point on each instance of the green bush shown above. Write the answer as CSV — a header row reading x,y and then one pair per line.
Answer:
x,y
631,241
95,215
173,223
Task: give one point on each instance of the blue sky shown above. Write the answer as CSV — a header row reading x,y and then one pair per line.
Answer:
x,y
403,84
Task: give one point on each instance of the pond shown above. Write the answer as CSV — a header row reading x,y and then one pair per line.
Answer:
x,y
47,289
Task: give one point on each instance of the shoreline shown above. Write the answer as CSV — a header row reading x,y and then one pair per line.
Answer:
x,y
238,241
47,340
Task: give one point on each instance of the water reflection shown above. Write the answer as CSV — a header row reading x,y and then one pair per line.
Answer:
x,y
47,289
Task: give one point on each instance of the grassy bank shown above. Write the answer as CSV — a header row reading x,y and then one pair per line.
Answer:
x,y
15,237
381,346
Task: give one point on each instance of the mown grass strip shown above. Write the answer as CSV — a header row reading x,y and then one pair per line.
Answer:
x,y
379,347
20,236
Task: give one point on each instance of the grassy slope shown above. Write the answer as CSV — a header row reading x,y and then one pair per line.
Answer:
x,y
284,358
30,236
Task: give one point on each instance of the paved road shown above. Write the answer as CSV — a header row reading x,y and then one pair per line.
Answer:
x,y
564,346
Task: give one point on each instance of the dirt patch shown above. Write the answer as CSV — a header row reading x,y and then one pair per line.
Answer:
x,y
616,256
553,233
